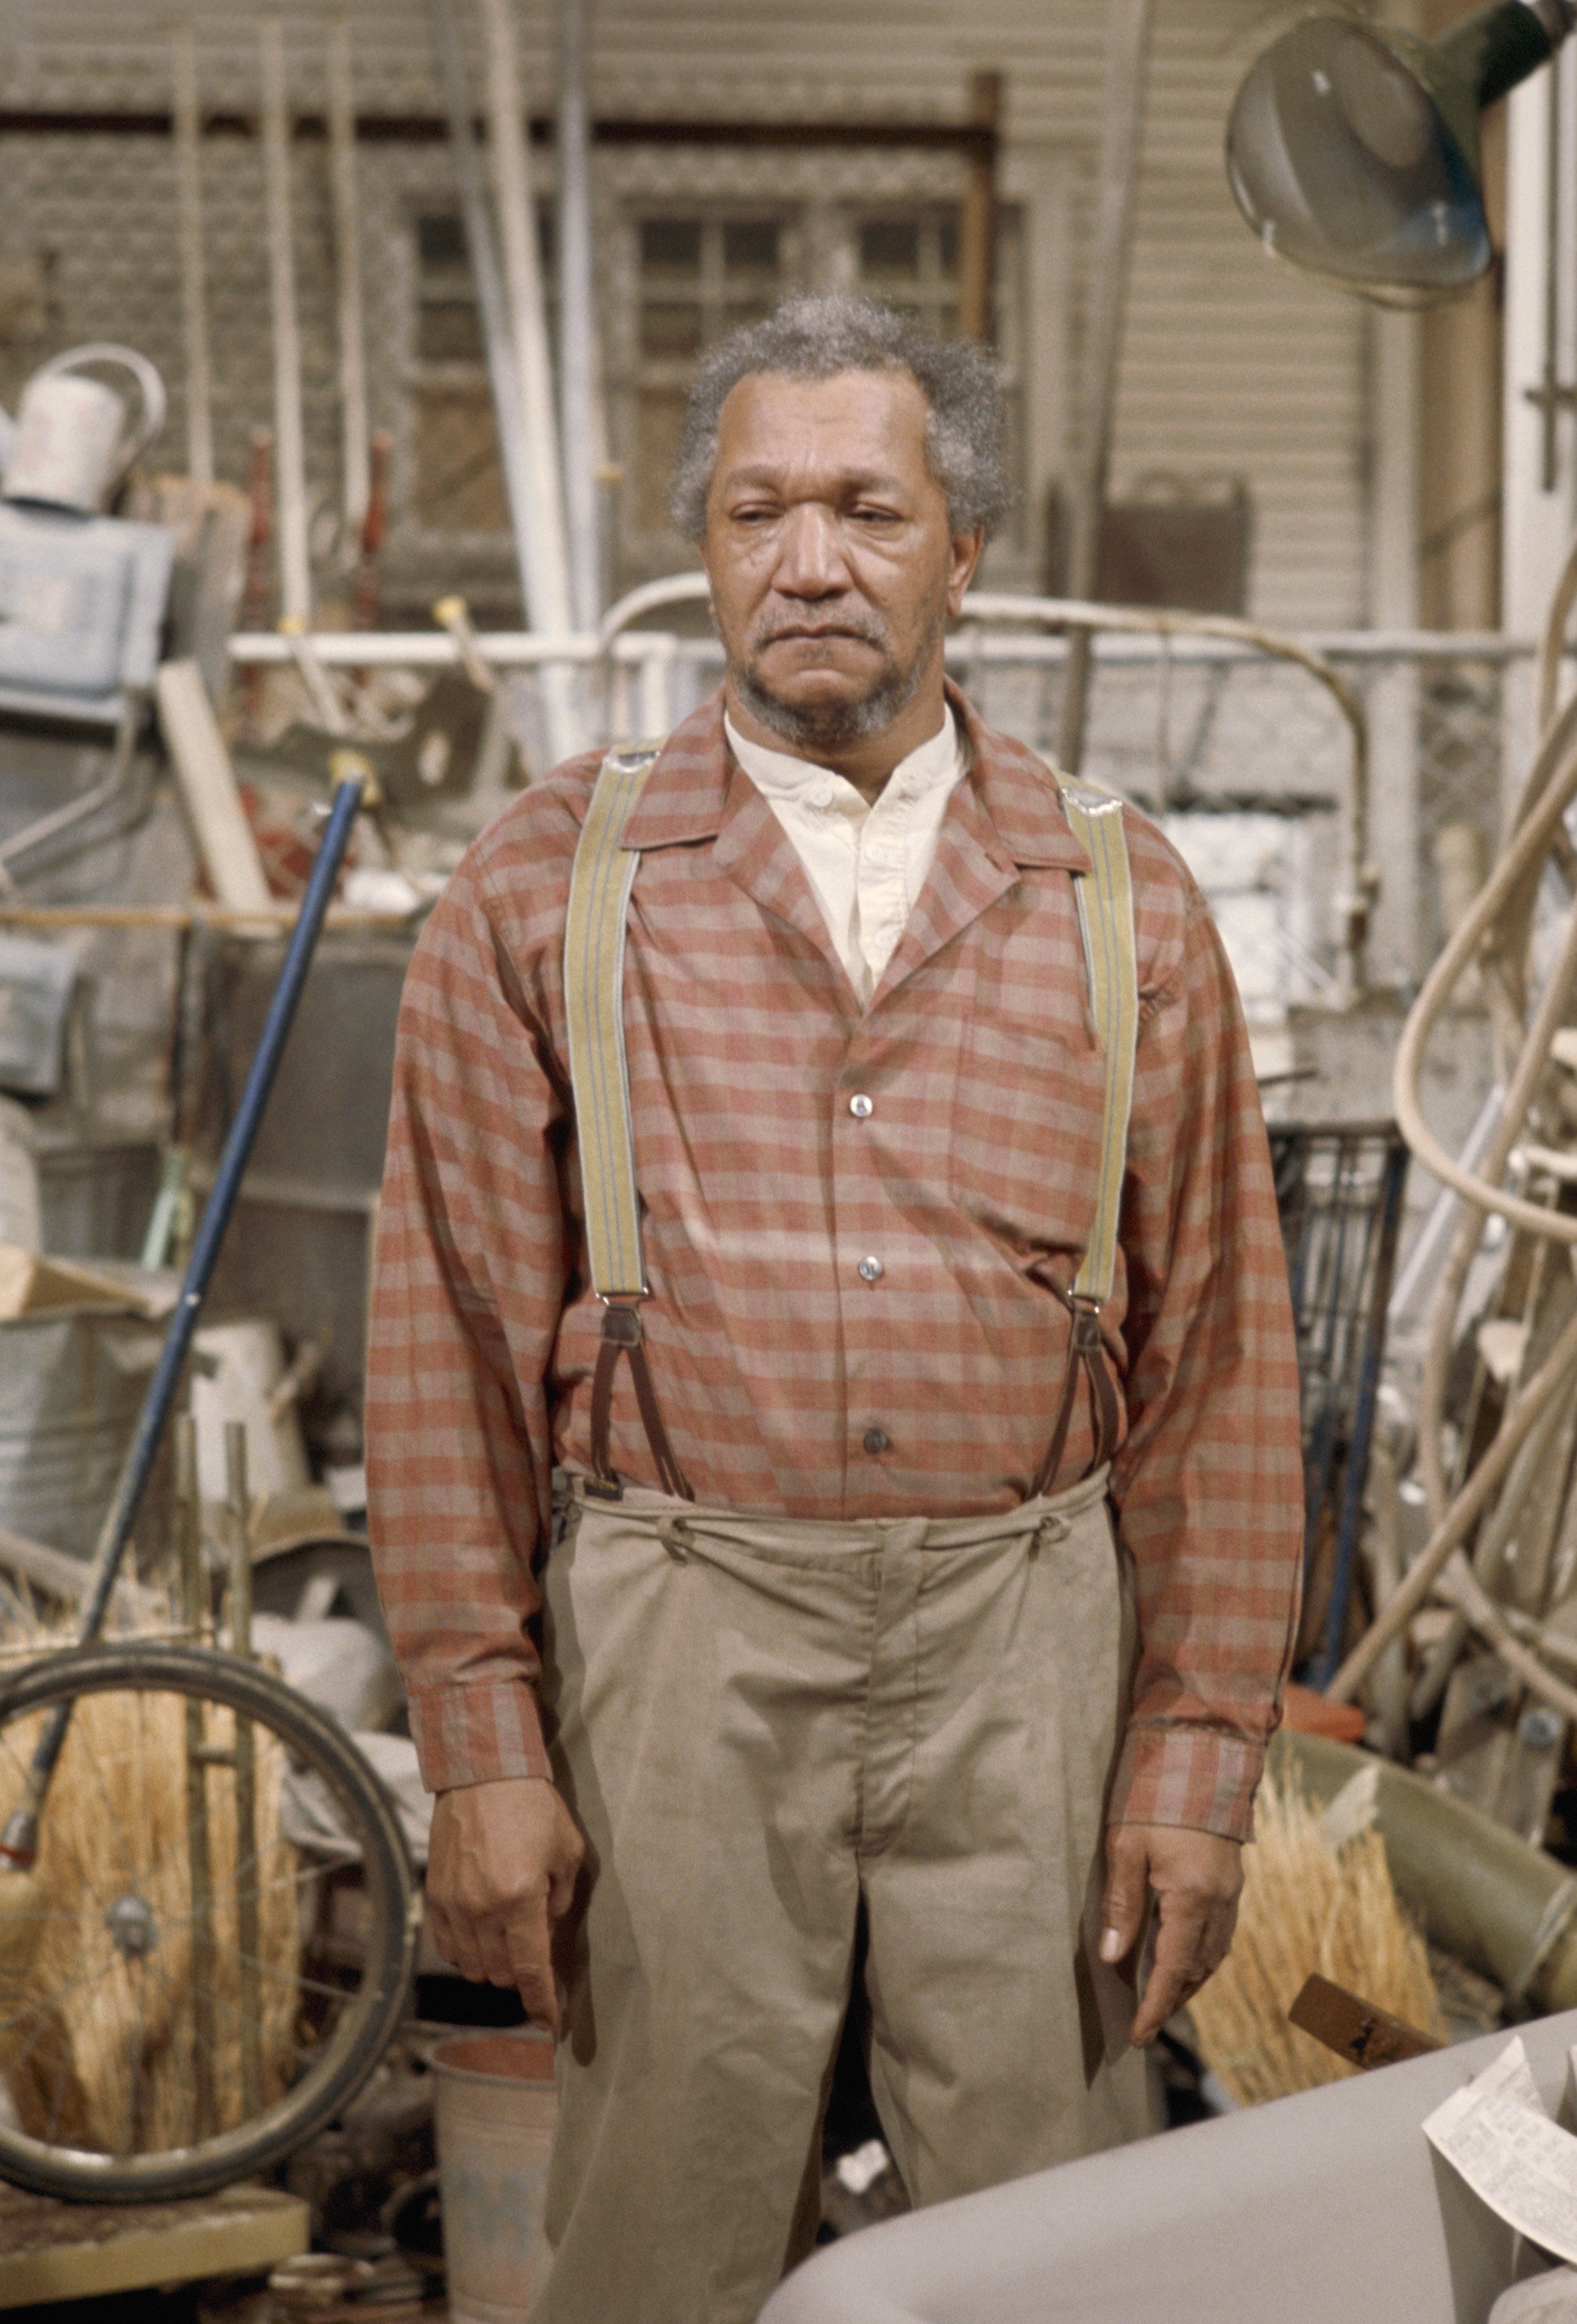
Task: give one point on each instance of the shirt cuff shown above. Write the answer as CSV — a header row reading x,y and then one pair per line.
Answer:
x,y
1185,1773
477,1734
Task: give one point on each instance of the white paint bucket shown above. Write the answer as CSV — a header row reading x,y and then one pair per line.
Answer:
x,y
74,439
242,1365
495,2109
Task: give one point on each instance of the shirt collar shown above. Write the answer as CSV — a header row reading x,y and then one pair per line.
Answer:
x,y
686,792
937,761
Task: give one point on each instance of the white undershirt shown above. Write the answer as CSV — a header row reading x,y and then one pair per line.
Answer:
x,y
866,865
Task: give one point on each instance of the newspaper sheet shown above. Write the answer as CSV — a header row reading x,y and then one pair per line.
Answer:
x,y
1496,2134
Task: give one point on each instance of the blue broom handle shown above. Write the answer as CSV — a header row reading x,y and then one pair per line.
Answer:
x,y
132,1483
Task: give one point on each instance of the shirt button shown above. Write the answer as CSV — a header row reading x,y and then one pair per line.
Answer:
x,y
877,1440
862,1107
871,1271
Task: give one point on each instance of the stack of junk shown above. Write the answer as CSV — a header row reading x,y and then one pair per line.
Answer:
x,y
221,2032
226,2051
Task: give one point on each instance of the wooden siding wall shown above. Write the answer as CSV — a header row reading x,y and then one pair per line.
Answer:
x,y
1233,364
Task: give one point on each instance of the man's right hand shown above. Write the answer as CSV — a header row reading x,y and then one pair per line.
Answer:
x,y
501,1870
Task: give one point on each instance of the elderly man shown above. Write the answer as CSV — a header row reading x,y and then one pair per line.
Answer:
x,y
845,1558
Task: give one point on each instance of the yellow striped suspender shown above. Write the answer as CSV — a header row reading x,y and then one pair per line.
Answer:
x,y
594,993
1105,901
593,981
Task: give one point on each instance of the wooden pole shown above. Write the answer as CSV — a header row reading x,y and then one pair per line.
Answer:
x,y
977,241
347,261
248,1886
195,1606
1127,33
289,454
194,309
577,380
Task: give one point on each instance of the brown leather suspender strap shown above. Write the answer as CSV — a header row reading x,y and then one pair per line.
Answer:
x,y
1087,1361
622,1335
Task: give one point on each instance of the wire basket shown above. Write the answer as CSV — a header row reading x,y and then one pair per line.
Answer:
x,y
1339,1192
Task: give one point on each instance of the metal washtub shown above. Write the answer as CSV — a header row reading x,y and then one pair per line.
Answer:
x,y
71,1385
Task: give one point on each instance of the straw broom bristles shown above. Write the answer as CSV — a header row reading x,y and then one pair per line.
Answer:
x,y
1307,1907
96,2049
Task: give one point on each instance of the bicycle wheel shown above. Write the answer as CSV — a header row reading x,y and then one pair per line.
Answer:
x,y
218,1938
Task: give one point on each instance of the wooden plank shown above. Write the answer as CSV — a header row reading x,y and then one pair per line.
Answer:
x,y
208,787
1356,2030
76,2251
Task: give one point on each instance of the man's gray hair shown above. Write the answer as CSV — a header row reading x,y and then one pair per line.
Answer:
x,y
817,337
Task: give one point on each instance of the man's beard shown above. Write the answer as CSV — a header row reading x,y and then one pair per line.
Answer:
x,y
827,725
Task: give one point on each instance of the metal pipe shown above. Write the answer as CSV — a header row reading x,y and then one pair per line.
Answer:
x,y
549,602
194,305
1083,618
347,267
1127,33
496,337
577,380
290,452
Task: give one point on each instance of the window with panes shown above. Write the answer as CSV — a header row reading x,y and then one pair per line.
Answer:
x,y
683,274
696,274
697,277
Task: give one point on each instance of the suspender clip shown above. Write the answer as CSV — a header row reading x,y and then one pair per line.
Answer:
x,y
621,1325
1086,1321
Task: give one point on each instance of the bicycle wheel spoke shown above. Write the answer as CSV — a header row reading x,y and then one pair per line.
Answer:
x,y
135,1974
138,2045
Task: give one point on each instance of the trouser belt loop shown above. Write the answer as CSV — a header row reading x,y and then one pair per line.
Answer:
x,y
623,1334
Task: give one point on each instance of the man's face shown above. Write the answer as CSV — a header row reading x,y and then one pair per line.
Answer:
x,y
827,546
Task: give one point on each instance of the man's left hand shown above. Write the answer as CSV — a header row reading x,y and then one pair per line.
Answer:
x,y
1197,1877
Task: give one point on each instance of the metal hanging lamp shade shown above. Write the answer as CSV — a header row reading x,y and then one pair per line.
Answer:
x,y
1352,148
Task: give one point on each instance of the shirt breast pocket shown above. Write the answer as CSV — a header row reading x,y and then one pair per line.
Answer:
x,y
1026,1143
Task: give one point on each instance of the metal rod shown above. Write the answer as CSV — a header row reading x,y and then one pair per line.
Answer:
x,y
347,266
195,1608
1127,32
496,337
248,1922
194,305
19,1841
290,452
546,559
578,383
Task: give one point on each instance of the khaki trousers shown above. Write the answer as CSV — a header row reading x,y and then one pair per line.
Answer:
x,y
764,1725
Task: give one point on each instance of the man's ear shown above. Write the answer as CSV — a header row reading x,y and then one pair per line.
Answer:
x,y
965,557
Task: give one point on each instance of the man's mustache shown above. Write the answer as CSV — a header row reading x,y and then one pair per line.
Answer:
x,y
862,626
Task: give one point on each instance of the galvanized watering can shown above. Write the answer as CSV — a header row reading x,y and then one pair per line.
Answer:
x,y
73,438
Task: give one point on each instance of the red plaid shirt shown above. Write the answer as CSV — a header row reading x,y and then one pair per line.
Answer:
x,y
971,1177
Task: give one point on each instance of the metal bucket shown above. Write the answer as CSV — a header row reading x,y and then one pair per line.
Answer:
x,y
71,1385
495,2109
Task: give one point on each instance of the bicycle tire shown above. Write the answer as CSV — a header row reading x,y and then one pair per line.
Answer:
x,y
319,2084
